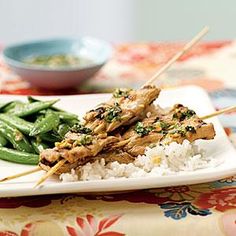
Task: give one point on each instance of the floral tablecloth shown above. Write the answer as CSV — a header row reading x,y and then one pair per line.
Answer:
x,y
204,209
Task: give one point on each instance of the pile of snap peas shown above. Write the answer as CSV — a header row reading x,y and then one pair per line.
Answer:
x,y
26,128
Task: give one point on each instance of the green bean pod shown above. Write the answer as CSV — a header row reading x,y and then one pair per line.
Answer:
x,y
48,123
17,122
31,108
8,154
3,141
15,137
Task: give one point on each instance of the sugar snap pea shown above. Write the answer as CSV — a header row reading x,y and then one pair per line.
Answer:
x,y
12,155
66,115
49,122
50,137
38,146
15,137
31,108
4,105
3,141
12,105
32,99
63,129
17,122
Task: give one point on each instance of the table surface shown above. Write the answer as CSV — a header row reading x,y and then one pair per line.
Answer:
x,y
203,209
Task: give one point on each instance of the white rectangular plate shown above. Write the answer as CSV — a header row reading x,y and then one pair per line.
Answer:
x,y
194,97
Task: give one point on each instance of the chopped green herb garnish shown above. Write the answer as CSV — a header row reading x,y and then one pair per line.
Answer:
x,y
79,128
183,115
141,130
84,139
189,113
181,131
164,125
113,113
118,93
178,130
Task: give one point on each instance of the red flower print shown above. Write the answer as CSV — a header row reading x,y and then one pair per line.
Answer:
x,y
89,226
220,199
35,228
7,233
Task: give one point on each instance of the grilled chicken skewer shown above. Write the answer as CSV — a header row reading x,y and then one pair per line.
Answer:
x,y
162,127
178,124
125,107
86,142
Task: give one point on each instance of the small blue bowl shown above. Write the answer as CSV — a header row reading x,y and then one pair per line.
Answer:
x,y
93,49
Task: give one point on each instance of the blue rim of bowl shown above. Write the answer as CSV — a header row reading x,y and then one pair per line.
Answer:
x,y
22,65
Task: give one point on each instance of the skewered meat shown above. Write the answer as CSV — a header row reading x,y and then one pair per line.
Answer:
x,y
110,156
162,126
124,108
175,126
88,140
76,150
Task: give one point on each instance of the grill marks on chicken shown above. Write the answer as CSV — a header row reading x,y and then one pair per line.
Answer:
x,y
86,141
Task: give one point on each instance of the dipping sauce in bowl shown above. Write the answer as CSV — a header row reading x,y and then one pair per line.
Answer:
x,y
59,60
58,63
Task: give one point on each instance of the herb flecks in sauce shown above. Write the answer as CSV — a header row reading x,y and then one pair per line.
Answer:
x,y
182,115
79,128
58,60
113,113
85,139
121,92
141,130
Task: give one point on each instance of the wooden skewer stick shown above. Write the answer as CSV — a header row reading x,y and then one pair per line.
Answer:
x,y
186,48
51,172
222,111
38,168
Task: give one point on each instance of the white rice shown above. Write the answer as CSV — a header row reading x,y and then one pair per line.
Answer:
x,y
157,161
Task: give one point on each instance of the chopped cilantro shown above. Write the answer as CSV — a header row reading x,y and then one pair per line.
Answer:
x,y
86,139
118,93
113,113
164,125
79,128
141,130
183,115
189,113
